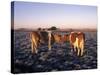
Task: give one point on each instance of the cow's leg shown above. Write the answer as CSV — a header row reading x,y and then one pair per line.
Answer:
x,y
49,41
81,47
36,51
78,51
49,44
32,47
35,46
82,50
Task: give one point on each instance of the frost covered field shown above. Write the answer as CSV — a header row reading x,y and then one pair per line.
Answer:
x,y
59,58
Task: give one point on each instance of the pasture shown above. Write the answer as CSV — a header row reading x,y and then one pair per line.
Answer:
x,y
59,58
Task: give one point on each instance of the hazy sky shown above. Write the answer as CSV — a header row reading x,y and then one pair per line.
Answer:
x,y
34,15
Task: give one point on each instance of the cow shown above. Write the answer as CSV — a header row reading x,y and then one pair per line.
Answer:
x,y
39,37
35,40
76,40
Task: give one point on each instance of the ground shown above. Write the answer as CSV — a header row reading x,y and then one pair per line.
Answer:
x,y
59,58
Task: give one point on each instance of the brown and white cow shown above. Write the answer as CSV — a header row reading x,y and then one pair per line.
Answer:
x,y
77,40
38,37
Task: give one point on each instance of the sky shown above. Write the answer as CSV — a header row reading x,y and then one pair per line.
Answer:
x,y
34,15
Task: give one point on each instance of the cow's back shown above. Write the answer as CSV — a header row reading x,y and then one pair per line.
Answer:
x,y
72,37
35,36
81,37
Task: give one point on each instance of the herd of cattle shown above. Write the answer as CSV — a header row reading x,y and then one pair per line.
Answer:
x,y
76,40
